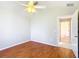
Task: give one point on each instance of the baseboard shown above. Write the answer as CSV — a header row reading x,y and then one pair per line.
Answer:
x,y
49,44
13,45
25,42
44,43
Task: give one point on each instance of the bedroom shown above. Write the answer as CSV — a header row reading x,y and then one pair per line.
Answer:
x,y
18,26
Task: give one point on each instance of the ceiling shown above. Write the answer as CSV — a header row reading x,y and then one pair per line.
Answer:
x,y
53,6
46,3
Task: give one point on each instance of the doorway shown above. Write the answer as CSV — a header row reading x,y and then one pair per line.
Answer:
x,y
65,31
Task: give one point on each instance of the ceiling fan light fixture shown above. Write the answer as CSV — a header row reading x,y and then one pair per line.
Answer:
x,y
31,7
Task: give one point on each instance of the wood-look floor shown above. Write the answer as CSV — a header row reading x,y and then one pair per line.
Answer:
x,y
36,50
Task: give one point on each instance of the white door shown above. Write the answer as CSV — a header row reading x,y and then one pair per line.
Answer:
x,y
74,33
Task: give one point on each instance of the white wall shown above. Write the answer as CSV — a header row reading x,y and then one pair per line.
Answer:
x,y
14,25
44,24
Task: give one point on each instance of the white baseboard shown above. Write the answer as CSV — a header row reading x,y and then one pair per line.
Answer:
x,y
44,43
13,45
24,42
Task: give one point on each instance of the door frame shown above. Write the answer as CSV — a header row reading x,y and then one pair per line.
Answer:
x,y
65,19
58,27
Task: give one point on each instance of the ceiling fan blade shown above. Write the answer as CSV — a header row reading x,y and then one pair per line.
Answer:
x,y
40,6
22,4
35,3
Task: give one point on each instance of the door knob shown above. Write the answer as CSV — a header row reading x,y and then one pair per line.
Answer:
x,y
75,36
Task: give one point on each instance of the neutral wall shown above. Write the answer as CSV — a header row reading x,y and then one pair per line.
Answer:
x,y
44,27
14,25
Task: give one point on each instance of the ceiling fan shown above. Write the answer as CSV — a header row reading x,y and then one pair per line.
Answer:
x,y
31,6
